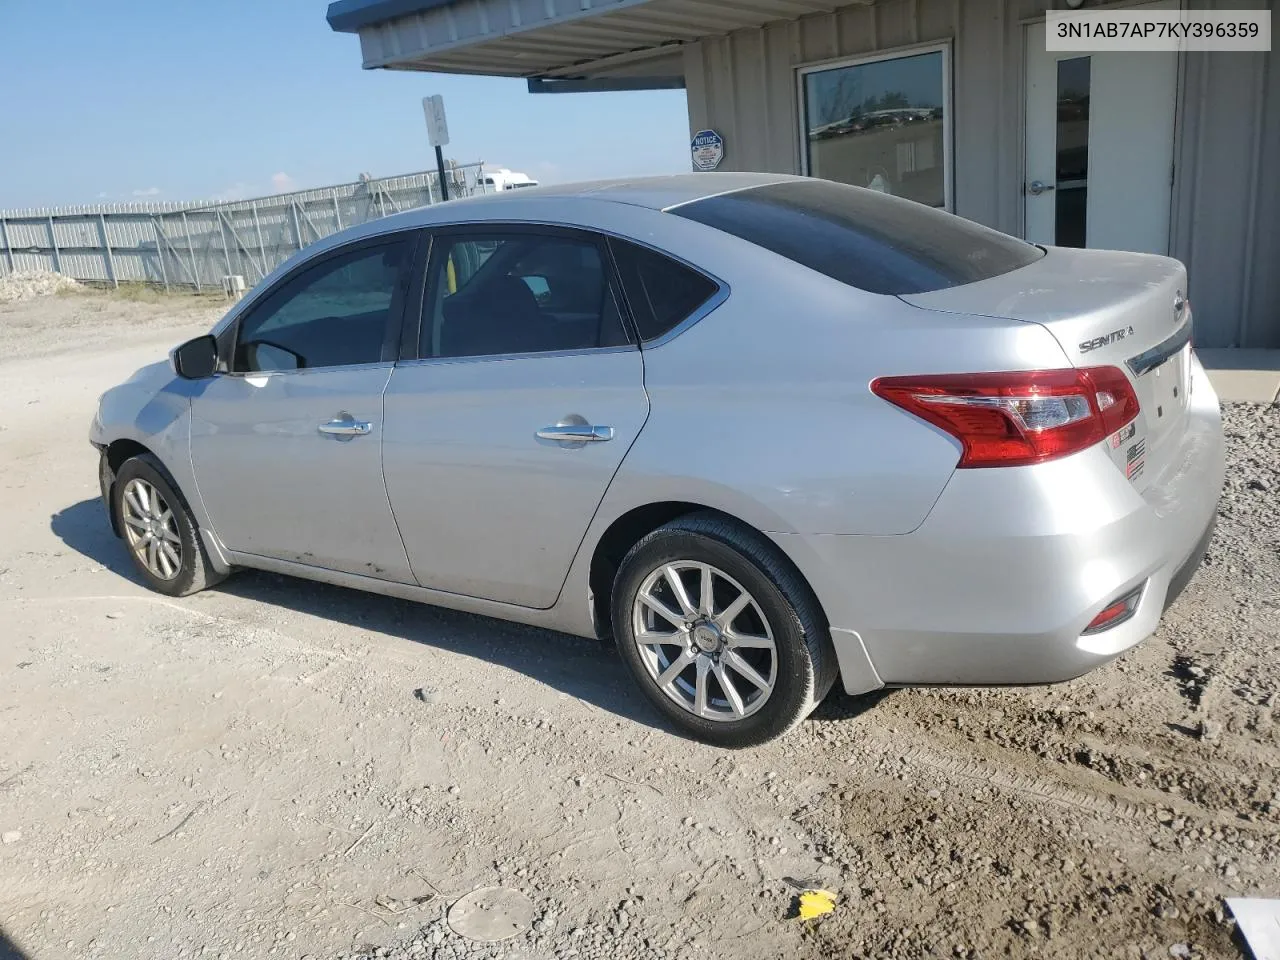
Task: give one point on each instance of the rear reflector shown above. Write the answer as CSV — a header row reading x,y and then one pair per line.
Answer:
x,y
1115,613
1021,417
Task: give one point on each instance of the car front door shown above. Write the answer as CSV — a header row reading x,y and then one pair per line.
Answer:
x,y
286,443
504,433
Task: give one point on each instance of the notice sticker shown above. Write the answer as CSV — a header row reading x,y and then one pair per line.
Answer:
x,y
1123,434
1135,460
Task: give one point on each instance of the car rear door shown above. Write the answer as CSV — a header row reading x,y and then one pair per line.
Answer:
x,y
512,410
286,443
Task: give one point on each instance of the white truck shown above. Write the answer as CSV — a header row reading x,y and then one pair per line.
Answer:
x,y
503,179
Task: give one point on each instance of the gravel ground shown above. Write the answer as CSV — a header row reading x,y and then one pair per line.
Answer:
x,y
40,316
283,769
1107,817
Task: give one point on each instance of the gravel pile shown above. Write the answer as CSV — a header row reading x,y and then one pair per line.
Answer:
x,y
32,284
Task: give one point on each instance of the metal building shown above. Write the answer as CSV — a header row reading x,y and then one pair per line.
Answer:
x,y
951,102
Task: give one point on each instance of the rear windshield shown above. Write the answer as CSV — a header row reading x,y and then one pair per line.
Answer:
x,y
862,237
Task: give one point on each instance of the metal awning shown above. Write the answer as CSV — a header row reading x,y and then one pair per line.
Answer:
x,y
618,43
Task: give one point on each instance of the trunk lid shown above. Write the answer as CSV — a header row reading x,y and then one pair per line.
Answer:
x,y
1105,308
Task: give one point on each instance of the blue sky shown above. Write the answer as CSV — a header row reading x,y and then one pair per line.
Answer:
x,y
156,99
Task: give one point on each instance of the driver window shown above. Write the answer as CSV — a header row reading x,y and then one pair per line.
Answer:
x,y
335,313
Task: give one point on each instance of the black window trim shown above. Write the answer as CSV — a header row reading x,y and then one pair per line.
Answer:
x,y
396,314
411,350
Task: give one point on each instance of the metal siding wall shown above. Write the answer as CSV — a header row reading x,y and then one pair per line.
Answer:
x,y
1226,202
198,245
1225,220
744,86
1263,304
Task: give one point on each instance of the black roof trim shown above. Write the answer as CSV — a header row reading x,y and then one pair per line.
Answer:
x,y
348,16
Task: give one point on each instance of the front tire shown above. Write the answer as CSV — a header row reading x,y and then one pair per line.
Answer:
x,y
720,631
159,531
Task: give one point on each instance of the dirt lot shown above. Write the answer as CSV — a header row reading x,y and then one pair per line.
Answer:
x,y
249,773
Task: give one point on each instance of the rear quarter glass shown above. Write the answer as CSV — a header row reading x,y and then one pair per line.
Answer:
x,y
862,237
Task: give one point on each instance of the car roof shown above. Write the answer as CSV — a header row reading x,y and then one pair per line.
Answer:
x,y
657,193
572,202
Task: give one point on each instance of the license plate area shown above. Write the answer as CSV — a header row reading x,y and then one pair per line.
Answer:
x,y
1167,388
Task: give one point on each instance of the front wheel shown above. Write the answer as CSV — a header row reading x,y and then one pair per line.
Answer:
x,y
721,633
159,530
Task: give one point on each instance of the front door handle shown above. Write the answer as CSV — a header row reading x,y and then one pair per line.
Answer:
x,y
345,426
1037,187
576,433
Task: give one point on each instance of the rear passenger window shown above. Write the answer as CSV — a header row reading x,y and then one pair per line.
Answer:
x,y
662,292
519,293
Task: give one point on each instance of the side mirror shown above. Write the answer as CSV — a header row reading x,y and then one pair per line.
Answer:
x,y
196,359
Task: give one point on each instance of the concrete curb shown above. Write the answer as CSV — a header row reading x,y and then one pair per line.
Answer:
x,y
1252,376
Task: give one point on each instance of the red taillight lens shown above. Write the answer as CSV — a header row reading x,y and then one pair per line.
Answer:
x,y
1021,417
1116,612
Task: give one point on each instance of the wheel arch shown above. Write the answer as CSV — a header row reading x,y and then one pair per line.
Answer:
x,y
120,451
115,454
630,527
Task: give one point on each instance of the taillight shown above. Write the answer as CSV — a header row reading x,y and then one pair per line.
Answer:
x,y
1116,612
1021,417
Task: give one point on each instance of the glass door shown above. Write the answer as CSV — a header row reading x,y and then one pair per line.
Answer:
x,y
1099,147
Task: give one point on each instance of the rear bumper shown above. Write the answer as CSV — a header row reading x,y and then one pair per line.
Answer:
x,y
999,583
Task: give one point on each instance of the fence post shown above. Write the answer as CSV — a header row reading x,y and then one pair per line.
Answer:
x,y
191,250
57,254
226,248
164,272
297,227
337,212
8,250
262,247
111,257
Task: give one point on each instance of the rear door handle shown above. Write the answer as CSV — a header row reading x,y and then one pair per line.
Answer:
x,y
576,433
345,426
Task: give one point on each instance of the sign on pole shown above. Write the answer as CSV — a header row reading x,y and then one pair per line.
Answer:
x,y
708,150
437,128
438,134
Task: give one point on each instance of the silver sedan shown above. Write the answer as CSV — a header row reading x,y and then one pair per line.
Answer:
x,y
763,431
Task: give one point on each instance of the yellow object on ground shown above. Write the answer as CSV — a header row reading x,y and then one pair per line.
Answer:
x,y
815,903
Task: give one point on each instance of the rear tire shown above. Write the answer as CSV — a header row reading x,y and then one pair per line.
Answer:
x,y
159,531
737,669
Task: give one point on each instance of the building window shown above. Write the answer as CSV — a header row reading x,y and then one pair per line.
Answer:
x,y
882,123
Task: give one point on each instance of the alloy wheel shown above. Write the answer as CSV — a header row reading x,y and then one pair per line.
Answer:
x,y
152,529
704,640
